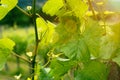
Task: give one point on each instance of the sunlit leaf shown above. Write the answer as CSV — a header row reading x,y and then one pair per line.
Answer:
x,y
28,79
63,12
41,24
110,44
79,7
6,46
52,6
6,6
46,31
7,43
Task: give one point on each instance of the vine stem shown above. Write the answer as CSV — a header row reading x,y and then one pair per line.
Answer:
x,y
36,37
33,62
14,54
92,9
23,11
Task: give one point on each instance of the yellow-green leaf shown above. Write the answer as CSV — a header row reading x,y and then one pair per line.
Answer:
x,y
6,46
52,6
46,31
6,6
7,43
79,7
110,44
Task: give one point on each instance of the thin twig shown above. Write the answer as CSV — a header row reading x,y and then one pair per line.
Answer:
x,y
23,11
21,57
46,63
92,9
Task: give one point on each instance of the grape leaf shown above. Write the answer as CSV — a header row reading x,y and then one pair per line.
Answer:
x,y
46,31
6,46
77,50
67,29
59,68
92,36
7,43
41,24
6,6
79,7
52,6
44,75
110,45
92,71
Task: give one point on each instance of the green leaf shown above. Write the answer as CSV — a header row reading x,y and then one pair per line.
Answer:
x,y
6,46
3,57
77,50
44,75
92,71
67,29
6,6
79,7
59,68
92,36
52,6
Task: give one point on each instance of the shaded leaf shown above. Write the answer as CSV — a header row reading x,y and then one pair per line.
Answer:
x,y
92,36
67,29
59,68
44,75
92,71
77,50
